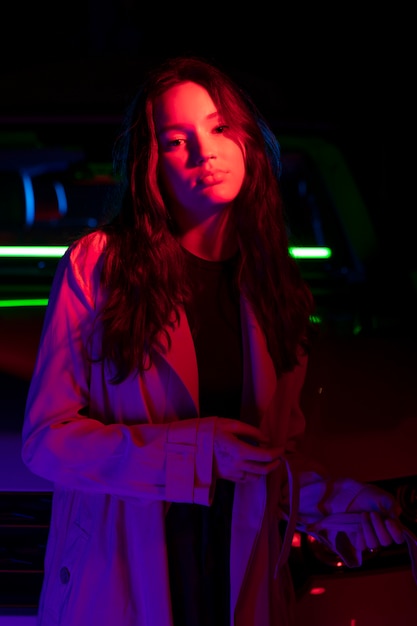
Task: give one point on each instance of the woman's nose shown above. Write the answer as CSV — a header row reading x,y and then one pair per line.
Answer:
x,y
205,157
204,150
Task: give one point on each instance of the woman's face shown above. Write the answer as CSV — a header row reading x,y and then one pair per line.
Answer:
x,y
202,168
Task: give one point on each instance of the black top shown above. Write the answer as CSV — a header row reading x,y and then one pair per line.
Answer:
x,y
198,537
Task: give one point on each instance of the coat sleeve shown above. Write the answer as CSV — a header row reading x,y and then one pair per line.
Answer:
x,y
62,442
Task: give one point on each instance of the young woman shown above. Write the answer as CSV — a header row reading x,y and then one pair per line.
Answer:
x,y
164,403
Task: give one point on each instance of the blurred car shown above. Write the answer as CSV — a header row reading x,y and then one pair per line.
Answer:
x,y
359,396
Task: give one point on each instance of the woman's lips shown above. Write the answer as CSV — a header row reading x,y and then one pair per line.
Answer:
x,y
211,178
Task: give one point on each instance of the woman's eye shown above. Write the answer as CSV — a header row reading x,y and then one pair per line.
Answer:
x,y
172,143
220,128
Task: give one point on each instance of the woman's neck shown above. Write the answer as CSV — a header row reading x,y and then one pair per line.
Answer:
x,y
212,239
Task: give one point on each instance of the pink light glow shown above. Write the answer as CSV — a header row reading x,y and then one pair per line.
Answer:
x,y
317,591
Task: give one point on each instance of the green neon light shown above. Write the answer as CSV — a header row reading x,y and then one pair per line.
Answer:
x,y
24,302
32,251
315,319
58,251
44,301
319,252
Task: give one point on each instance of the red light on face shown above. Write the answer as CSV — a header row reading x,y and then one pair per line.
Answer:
x,y
317,591
296,540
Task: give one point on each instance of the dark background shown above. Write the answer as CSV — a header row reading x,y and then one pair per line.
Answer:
x,y
337,70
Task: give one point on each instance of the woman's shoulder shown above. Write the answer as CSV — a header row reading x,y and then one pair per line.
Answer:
x,y
83,259
89,245
87,250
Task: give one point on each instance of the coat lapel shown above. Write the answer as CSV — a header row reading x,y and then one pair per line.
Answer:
x,y
181,357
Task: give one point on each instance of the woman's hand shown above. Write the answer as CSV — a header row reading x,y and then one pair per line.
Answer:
x,y
241,451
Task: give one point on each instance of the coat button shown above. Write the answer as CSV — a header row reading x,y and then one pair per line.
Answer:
x,y
64,575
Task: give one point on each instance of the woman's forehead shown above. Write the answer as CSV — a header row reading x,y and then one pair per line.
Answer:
x,y
184,104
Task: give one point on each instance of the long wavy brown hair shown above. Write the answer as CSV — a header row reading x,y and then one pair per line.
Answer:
x,y
143,266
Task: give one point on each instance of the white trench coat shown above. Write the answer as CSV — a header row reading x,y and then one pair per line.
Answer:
x,y
119,454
